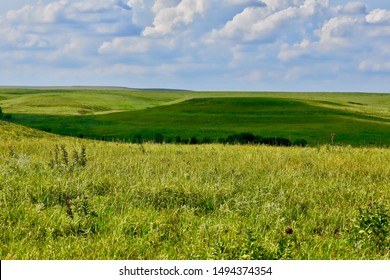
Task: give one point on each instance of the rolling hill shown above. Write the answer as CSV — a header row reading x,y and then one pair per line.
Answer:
x,y
123,114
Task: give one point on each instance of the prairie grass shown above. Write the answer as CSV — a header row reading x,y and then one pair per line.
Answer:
x,y
150,201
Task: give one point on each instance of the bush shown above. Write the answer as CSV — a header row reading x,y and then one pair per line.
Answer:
x,y
246,138
231,139
159,138
249,138
276,141
193,140
300,142
137,139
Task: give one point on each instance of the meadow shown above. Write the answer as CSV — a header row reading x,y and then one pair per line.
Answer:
x,y
356,119
69,198
65,197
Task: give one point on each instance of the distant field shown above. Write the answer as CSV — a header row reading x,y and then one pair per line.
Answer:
x,y
68,198
355,118
81,101
78,101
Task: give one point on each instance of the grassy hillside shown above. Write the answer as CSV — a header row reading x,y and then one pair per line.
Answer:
x,y
14,132
64,198
213,118
81,101
125,114
78,101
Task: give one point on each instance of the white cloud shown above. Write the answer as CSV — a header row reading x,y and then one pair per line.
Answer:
x,y
378,16
277,20
245,3
54,21
135,45
353,8
204,43
168,17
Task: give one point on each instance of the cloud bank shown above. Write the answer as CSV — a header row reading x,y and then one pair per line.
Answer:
x,y
198,44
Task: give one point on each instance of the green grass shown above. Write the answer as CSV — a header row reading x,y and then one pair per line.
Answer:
x,y
16,132
214,118
78,101
127,201
81,101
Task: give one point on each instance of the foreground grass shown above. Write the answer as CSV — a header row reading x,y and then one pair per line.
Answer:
x,y
95,200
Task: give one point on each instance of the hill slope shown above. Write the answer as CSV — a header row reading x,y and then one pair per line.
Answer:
x,y
11,131
87,101
214,118
115,113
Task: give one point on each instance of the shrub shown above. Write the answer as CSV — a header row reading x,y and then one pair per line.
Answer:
x,y
276,141
300,142
246,138
231,139
193,140
137,139
159,138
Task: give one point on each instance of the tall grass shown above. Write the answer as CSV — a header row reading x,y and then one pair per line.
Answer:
x,y
126,201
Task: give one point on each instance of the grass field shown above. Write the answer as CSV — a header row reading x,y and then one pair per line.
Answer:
x,y
64,198
355,118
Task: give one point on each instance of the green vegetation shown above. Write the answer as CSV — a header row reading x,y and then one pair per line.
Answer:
x,y
325,197
70,101
84,101
68,198
212,119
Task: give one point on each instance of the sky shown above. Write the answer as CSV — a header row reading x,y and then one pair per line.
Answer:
x,y
267,45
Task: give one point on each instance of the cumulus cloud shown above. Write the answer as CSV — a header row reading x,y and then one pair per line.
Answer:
x,y
249,43
274,21
378,16
353,8
168,15
343,35
48,25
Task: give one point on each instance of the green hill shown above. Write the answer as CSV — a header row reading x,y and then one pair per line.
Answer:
x,y
126,114
213,118
70,198
11,131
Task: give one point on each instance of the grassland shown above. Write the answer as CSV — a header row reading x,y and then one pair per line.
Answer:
x,y
355,118
68,198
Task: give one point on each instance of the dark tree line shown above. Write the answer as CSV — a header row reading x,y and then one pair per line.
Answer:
x,y
234,139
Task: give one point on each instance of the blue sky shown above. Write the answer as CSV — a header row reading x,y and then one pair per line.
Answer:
x,y
292,45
